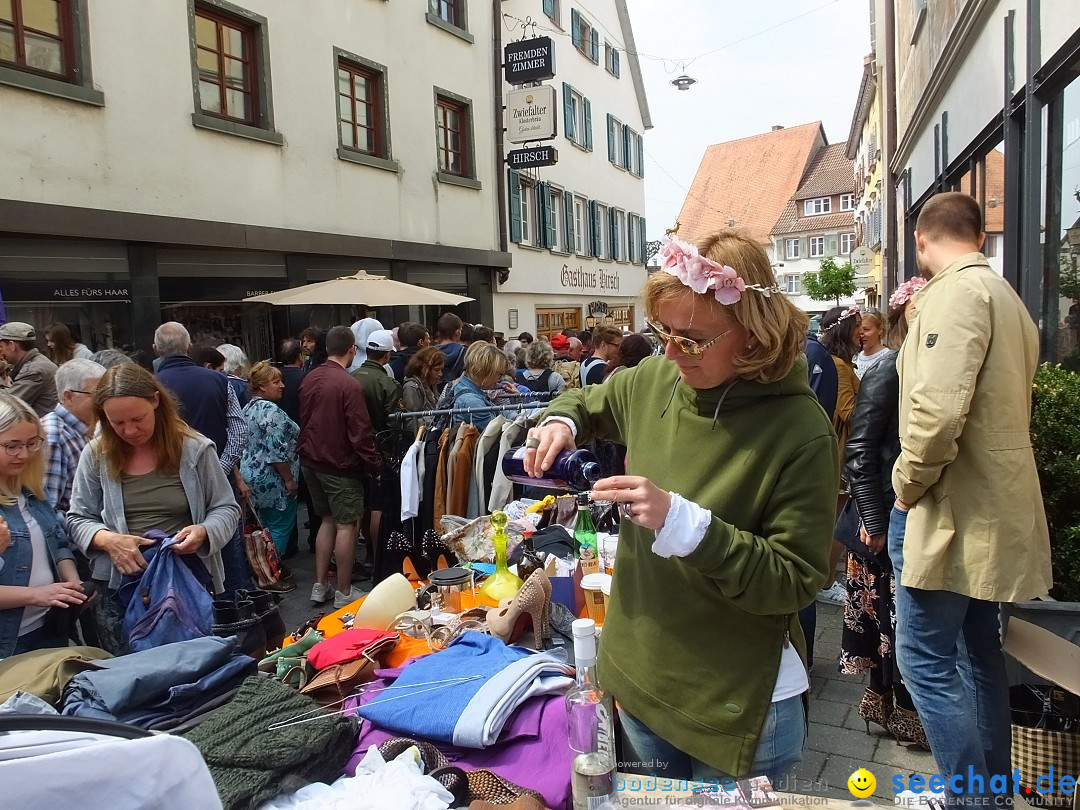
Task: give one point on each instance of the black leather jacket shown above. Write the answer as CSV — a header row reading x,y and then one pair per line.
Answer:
x,y
873,444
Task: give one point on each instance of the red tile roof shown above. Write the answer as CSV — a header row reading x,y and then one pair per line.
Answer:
x,y
791,221
831,172
750,181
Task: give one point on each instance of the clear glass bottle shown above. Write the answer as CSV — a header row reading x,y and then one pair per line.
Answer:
x,y
592,733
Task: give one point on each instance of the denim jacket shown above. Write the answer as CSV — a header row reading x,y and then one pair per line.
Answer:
x,y
19,556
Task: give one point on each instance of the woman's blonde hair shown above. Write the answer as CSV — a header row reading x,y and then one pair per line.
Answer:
x,y
778,325
14,411
130,380
485,363
262,373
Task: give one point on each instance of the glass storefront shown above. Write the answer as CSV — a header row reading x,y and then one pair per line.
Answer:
x,y
1060,313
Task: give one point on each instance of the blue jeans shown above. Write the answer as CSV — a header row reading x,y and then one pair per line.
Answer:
x,y
779,749
948,647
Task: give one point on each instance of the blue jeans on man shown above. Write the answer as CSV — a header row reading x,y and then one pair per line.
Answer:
x,y
233,557
948,647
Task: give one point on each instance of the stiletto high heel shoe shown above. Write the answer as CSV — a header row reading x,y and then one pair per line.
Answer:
x,y
875,708
905,726
508,621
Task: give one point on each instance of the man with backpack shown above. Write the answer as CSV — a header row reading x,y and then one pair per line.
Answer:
x,y
565,363
448,331
605,342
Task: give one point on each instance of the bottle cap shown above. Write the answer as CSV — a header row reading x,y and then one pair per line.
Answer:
x,y
583,499
584,632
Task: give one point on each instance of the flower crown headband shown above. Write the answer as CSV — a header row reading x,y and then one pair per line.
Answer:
x,y
682,260
849,312
906,291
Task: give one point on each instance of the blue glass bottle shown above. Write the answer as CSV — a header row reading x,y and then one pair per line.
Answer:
x,y
573,470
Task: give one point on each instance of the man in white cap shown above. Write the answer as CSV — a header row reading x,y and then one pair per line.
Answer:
x,y
383,396
33,374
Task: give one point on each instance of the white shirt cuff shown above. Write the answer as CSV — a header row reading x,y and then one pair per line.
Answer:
x,y
683,529
565,420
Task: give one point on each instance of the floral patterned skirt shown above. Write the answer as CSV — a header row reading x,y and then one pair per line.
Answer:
x,y
869,635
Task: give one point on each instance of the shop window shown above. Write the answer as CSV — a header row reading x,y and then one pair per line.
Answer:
x,y
454,140
44,47
231,64
363,128
552,321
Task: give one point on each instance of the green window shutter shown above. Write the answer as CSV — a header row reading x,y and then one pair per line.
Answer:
x,y
643,240
613,232
575,28
549,7
594,228
595,37
615,62
612,155
639,147
631,240
568,207
568,110
515,206
628,148
552,219
542,214
831,246
587,140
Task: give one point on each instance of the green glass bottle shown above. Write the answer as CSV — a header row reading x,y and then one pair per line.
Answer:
x,y
585,544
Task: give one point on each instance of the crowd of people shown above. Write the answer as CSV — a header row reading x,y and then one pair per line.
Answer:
x,y
758,458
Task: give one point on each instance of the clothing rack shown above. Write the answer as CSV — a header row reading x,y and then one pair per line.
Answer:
x,y
510,406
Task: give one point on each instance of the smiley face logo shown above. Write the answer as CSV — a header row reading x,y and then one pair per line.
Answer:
x,y
861,783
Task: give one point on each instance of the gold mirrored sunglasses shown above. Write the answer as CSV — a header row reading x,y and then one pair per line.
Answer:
x,y
687,346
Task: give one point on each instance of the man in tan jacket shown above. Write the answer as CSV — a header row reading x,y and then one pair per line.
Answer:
x,y
968,530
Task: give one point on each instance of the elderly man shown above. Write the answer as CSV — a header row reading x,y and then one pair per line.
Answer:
x,y
66,426
208,403
32,373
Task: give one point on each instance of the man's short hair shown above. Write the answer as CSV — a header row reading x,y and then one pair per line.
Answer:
x,y
110,357
171,339
447,327
338,341
207,356
951,215
75,374
585,336
484,334
410,334
289,352
467,335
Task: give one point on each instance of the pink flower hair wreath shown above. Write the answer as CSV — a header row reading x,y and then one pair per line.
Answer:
x,y
700,274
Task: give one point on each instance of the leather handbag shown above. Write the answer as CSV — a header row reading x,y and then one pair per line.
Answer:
x,y
262,555
846,533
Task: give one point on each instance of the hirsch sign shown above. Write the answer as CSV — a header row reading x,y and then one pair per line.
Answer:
x,y
530,114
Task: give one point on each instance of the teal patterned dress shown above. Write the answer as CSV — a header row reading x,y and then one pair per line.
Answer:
x,y
272,438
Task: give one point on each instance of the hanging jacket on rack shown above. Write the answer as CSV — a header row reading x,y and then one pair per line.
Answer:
x,y
502,490
481,482
461,462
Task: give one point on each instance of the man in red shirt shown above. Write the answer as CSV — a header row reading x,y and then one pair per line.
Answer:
x,y
337,452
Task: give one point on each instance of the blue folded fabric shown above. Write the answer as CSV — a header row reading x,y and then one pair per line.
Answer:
x,y
466,693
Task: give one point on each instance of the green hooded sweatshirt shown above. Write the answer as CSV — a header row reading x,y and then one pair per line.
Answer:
x,y
691,646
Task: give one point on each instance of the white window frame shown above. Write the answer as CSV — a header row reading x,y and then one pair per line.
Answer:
x,y
793,283
847,243
528,211
577,103
847,202
817,247
817,205
556,16
619,156
603,214
557,202
792,249
609,57
623,235
581,224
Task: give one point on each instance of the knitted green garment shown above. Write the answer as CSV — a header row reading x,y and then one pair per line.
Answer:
x,y
251,764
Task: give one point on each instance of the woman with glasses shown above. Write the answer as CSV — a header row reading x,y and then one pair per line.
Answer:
x,y
727,515
38,570
146,470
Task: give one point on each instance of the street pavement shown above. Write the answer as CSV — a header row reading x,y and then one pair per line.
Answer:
x,y
837,743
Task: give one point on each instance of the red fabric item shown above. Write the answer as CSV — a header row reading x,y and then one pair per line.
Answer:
x,y
348,646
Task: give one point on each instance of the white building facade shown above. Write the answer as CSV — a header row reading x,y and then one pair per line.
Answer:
x,y
168,159
576,230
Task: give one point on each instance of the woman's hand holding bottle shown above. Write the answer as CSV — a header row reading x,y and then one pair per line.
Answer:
x,y
544,443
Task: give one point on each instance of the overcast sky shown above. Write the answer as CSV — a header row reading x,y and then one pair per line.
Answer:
x,y
802,71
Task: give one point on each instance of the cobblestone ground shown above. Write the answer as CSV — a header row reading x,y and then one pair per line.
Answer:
x,y
837,745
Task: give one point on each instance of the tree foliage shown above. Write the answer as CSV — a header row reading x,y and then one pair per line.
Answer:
x,y
832,282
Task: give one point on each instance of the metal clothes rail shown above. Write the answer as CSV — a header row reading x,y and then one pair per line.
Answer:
x,y
543,400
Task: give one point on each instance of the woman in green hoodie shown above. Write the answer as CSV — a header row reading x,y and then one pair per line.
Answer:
x,y
728,506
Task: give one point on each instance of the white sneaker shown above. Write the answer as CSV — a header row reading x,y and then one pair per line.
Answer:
x,y
319,593
835,594
343,599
